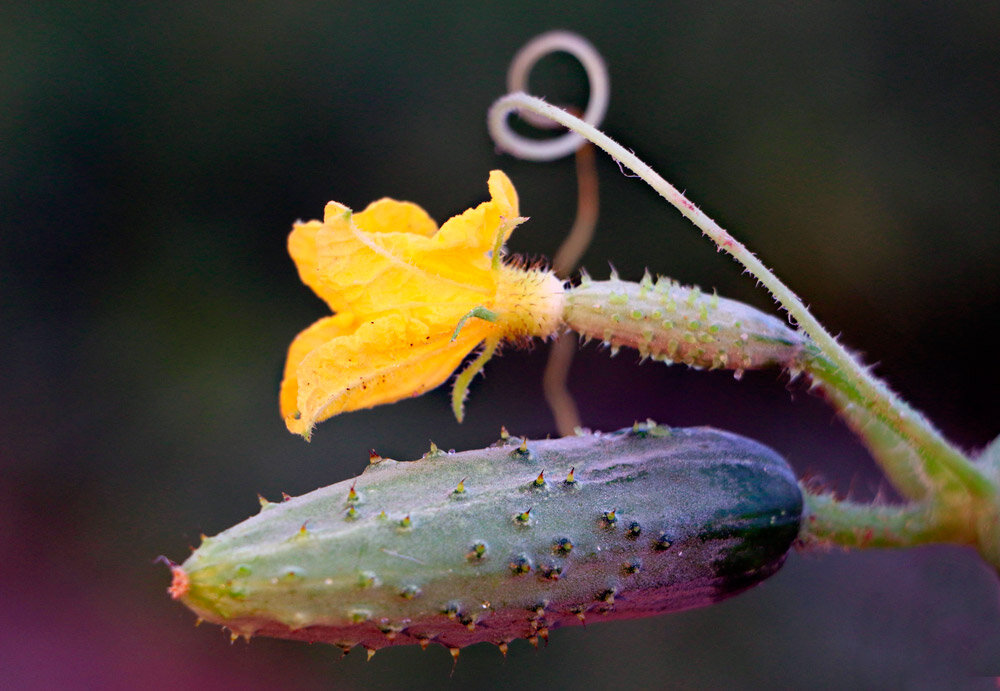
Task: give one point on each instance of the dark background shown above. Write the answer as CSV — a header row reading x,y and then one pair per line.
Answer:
x,y
153,157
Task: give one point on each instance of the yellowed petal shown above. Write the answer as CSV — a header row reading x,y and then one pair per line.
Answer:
x,y
321,332
378,272
391,216
302,248
478,227
503,193
382,361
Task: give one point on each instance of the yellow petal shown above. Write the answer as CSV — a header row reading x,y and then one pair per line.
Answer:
x,y
302,248
374,269
321,332
391,216
382,361
503,193
479,226
383,215
376,272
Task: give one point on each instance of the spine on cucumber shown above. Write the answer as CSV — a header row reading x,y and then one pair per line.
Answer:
x,y
504,542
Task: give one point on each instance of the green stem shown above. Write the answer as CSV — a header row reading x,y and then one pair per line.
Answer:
x,y
897,458
913,467
859,526
844,369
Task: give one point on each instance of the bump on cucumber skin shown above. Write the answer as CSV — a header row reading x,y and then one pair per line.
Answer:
x,y
698,515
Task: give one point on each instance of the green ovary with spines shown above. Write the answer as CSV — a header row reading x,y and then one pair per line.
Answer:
x,y
667,321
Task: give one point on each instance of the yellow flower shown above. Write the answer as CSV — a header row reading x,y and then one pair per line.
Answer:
x,y
411,302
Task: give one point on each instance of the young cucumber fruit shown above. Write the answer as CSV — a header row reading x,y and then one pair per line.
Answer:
x,y
504,542
666,321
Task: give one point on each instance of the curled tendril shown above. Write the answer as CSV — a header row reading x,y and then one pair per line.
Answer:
x,y
557,394
517,80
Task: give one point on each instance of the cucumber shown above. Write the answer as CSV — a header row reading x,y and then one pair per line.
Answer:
x,y
504,542
669,322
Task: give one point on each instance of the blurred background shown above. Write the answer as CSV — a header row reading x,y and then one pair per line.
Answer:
x,y
154,155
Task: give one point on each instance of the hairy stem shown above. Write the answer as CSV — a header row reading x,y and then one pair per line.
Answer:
x,y
857,526
913,469
844,369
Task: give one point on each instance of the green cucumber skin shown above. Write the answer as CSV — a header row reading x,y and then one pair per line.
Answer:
x,y
311,569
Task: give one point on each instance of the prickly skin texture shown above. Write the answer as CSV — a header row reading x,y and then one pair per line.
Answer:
x,y
656,520
667,321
